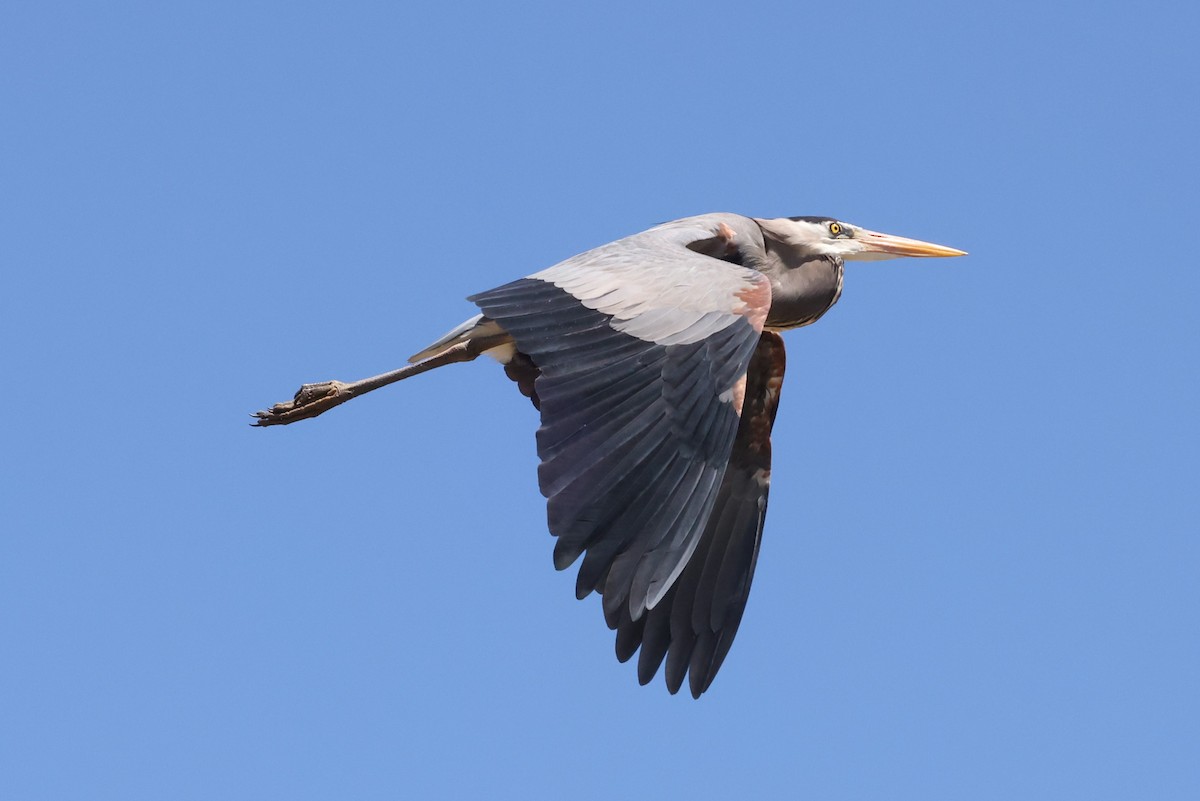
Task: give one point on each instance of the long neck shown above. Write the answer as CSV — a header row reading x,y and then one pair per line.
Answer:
x,y
804,285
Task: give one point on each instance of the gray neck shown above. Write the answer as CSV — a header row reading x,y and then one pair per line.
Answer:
x,y
804,284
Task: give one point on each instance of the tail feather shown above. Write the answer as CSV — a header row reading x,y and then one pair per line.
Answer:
x,y
477,328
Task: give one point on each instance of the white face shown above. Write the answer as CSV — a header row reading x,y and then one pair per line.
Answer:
x,y
837,238
828,237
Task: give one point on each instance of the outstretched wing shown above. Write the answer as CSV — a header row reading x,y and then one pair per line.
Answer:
x,y
695,623
642,347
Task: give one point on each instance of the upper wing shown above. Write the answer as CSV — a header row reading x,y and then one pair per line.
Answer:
x,y
694,624
642,347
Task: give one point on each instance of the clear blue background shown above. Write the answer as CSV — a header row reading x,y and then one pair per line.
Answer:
x,y
979,578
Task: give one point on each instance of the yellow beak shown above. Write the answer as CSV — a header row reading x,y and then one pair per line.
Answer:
x,y
875,242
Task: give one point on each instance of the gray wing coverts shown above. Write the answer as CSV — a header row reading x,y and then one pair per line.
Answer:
x,y
635,439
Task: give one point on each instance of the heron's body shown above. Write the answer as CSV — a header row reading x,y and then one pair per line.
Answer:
x,y
656,366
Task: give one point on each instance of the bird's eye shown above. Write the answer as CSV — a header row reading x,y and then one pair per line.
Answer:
x,y
834,228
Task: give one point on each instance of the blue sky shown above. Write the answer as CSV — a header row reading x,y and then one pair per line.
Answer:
x,y
979,574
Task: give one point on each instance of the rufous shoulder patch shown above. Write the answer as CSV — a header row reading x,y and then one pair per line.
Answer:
x,y
756,302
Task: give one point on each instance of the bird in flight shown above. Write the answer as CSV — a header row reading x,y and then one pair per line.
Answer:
x,y
655,362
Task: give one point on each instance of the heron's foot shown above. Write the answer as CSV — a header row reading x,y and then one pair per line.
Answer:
x,y
310,401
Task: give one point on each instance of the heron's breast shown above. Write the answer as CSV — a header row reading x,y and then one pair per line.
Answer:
x,y
801,295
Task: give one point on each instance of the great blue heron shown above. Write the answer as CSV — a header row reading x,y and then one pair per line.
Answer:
x,y
656,365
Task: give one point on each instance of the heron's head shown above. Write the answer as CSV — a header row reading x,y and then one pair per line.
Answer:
x,y
829,237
